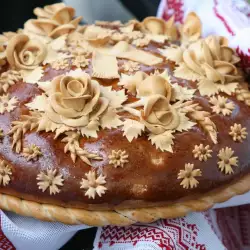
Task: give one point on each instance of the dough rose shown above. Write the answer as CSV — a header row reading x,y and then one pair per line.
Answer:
x,y
144,85
53,20
153,85
75,102
23,53
158,115
213,59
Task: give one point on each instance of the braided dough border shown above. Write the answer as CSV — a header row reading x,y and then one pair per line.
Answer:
x,y
122,217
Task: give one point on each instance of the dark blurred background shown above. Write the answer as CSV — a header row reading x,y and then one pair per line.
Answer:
x,y
15,12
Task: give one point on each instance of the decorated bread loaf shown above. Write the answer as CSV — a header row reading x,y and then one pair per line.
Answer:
x,y
113,123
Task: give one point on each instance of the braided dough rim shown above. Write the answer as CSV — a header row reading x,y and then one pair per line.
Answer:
x,y
122,217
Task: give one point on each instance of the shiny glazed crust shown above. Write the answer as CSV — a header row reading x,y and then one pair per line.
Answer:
x,y
125,185
122,217
94,164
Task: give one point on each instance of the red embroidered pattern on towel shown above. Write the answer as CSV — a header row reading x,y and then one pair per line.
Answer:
x,y
168,234
245,59
173,7
234,227
5,244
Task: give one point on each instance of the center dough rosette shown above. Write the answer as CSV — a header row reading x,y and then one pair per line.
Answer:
x,y
154,91
75,102
141,84
158,114
152,85
213,59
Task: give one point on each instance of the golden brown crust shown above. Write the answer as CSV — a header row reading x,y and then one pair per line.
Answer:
x,y
117,139
123,217
159,170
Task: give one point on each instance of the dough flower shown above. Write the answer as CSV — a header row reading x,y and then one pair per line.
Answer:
x,y
24,53
158,115
75,102
53,20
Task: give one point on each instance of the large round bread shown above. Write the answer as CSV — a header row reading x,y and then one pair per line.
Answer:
x,y
119,123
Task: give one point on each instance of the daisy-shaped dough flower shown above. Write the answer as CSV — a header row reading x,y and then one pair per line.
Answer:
x,y
117,37
188,175
141,42
93,185
133,35
227,160
130,66
80,61
202,152
238,133
7,104
60,64
81,51
77,50
221,105
118,158
5,173
32,152
50,180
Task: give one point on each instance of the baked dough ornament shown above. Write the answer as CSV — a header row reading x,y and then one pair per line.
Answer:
x,y
7,103
117,123
53,21
238,133
8,79
5,173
